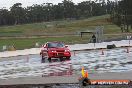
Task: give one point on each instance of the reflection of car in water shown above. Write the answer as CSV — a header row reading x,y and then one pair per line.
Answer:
x,y
55,50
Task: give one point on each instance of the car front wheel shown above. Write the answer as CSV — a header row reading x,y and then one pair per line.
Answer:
x,y
61,59
68,58
49,59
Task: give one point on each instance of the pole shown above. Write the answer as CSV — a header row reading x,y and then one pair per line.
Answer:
x,y
129,41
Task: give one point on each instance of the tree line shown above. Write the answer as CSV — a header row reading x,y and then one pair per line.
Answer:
x,y
122,14
48,11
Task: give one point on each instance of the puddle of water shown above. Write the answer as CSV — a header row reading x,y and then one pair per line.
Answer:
x,y
115,60
21,68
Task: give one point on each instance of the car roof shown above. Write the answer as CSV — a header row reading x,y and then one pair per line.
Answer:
x,y
55,42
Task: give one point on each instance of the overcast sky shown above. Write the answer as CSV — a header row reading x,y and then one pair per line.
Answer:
x,y
9,3
25,3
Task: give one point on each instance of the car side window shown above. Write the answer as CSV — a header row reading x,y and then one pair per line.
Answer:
x,y
48,45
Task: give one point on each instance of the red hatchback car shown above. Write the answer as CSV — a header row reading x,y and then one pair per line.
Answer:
x,y
55,50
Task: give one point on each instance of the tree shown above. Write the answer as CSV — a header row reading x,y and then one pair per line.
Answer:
x,y
18,13
126,13
85,9
48,12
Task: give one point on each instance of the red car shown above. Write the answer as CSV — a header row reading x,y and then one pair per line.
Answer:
x,y
55,50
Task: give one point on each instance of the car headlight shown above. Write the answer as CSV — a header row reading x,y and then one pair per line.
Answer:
x,y
67,50
53,51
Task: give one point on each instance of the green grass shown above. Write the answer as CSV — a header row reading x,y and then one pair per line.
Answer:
x,y
56,28
23,43
64,26
30,42
111,29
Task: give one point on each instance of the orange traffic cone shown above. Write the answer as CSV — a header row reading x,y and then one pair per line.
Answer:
x,y
127,49
86,74
102,52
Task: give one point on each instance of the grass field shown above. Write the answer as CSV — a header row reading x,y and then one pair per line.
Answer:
x,y
54,31
59,27
30,42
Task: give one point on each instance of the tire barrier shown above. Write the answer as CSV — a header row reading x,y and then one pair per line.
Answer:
x,y
111,46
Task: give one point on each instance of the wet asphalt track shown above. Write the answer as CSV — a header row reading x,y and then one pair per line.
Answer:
x,y
115,60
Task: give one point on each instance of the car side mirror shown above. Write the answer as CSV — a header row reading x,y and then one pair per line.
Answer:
x,y
45,47
66,46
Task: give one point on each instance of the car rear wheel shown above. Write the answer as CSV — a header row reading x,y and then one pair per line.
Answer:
x,y
43,59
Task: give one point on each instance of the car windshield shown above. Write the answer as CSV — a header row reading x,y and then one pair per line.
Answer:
x,y
55,45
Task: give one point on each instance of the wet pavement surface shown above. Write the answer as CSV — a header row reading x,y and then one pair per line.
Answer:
x,y
114,60
67,86
44,86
